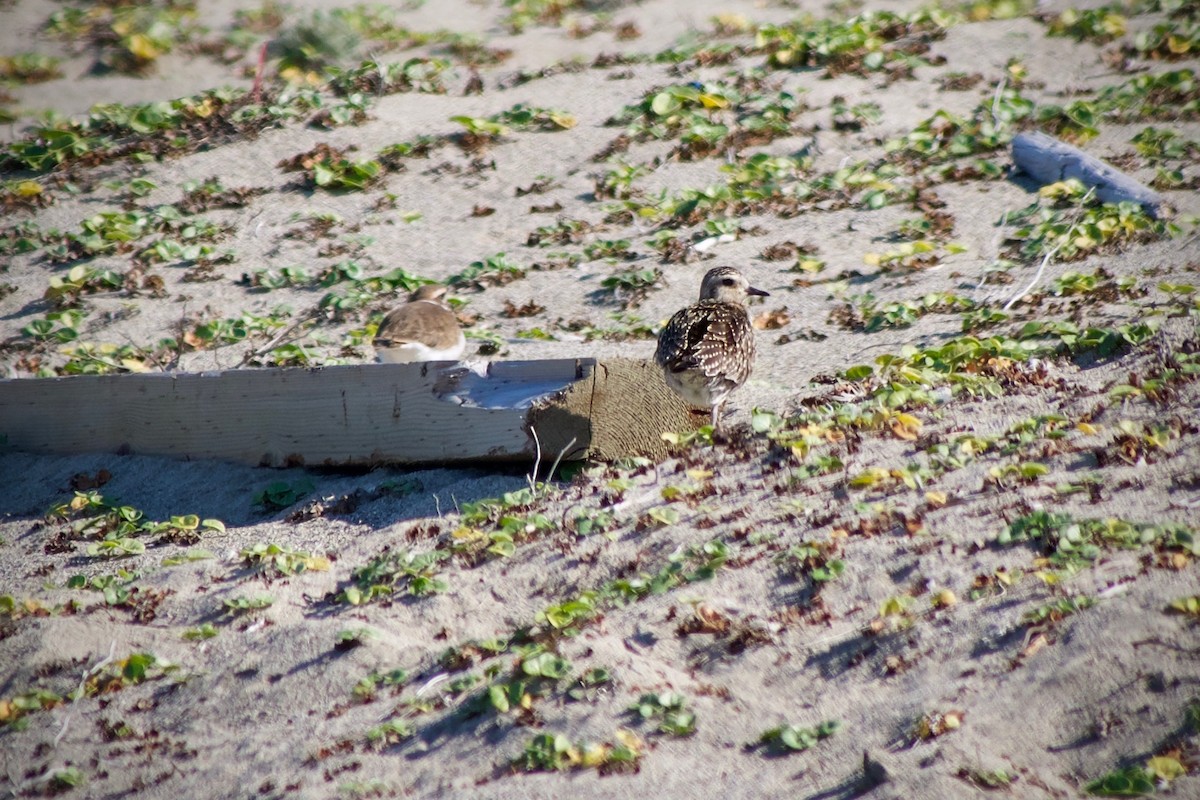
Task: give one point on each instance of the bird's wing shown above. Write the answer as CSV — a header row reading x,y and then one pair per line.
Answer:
x,y
694,341
428,323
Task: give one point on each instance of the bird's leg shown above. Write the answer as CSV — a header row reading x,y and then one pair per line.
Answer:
x,y
716,421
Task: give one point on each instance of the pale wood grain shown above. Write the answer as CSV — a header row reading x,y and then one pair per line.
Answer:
x,y
371,413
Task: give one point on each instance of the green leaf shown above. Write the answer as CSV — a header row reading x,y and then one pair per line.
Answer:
x,y
1128,782
116,548
664,104
136,666
498,695
1187,605
546,665
664,515
859,372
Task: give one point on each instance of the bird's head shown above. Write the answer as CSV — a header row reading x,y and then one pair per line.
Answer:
x,y
430,292
727,285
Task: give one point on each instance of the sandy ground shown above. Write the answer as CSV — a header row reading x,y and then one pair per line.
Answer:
x,y
930,617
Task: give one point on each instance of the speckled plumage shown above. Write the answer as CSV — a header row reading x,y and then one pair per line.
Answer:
x,y
423,329
707,349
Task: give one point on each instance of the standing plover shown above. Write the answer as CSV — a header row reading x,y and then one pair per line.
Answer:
x,y
707,349
423,329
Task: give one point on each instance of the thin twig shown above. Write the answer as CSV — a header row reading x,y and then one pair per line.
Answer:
x,y
1000,85
1187,241
104,662
256,92
537,462
1066,237
374,58
1037,277
561,453
434,681
178,350
995,247
308,316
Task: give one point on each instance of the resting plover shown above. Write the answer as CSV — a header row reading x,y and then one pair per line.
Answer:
x,y
423,329
707,349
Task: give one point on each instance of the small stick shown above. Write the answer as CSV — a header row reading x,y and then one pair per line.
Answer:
x,y
256,92
1037,277
561,453
434,681
996,99
308,316
995,247
1042,267
537,462
104,662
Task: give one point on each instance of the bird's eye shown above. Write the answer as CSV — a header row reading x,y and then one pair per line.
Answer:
x,y
728,281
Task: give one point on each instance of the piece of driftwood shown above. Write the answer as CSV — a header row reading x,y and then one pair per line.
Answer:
x,y
431,413
1049,160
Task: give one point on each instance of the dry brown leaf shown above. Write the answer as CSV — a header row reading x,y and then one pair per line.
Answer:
x,y
772,320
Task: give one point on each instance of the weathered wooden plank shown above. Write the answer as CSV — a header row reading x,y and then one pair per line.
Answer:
x,y
1049,160
349,415
334,415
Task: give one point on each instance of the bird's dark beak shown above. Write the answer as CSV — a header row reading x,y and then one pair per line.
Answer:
x,y
757,292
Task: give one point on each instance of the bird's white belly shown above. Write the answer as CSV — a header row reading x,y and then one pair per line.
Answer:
x,y
412,352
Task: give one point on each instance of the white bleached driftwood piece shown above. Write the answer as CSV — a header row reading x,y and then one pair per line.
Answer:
x,y
428,413
1050,160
